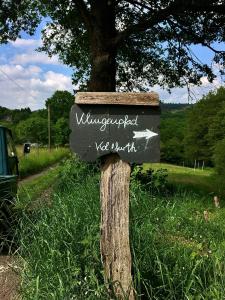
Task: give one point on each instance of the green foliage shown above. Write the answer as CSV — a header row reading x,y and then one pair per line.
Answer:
x,y
219,157
154,181
14,115
33,126
172,133
62,131
10,118
34,130
205,126
41,113
20,114
60,104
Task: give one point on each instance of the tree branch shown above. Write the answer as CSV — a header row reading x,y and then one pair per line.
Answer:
x,y
201,6
145,23
84,13
198,38
175,8
141,4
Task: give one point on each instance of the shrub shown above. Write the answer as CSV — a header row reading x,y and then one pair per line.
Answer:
x,y
154,181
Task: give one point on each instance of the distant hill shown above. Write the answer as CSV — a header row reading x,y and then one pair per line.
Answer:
x,y
13,116
5,114
174,107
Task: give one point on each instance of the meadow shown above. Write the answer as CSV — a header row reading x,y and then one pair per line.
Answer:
x,y
39,159
201,181
177,252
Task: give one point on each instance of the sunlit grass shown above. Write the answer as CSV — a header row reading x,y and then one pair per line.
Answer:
x,y
180,169
201,181
38,159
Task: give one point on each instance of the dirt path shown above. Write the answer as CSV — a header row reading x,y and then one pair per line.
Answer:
x,y
9,278
34,176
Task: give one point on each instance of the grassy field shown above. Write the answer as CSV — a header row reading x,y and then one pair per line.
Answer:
x,y
205,181
177,252
39,159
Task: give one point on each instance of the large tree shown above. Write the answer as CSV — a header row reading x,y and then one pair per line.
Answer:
x,y
123,44
127,45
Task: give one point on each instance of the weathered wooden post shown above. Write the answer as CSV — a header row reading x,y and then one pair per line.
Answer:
x,y
121,128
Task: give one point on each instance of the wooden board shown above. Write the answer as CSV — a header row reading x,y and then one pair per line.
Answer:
x,y
149,99
130,131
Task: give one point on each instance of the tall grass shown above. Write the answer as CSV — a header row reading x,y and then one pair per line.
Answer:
x,y
177,254
38,159
61,244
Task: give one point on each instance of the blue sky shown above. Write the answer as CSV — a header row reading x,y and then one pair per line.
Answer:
x,y
28,77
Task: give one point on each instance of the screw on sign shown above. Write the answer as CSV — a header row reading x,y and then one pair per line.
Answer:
x,y
122,128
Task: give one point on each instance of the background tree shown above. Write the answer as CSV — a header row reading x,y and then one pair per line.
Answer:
x,y
172,132
128,44
61,131
34,130
20,114
60,103
205,126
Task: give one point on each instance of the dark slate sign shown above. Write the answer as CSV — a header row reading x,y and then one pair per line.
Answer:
x,y
130,131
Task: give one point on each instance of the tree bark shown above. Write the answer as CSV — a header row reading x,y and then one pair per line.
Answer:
x,y
103,52
115,247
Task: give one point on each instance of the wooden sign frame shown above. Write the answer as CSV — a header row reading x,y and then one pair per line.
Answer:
x,y
146,99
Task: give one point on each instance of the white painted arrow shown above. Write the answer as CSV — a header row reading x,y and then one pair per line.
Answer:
x,y
144,134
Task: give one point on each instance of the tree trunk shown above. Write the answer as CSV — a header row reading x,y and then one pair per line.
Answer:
x,y
115,174
115,247
102,50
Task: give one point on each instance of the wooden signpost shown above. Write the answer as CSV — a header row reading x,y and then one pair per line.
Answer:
x,y
119,128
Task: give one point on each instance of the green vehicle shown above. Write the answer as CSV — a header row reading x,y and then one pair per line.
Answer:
x,y
8,165
8,186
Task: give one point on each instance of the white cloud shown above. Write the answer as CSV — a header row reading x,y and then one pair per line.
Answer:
x,y
24,53
35,58
29,86
15,72
25,43
51,81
